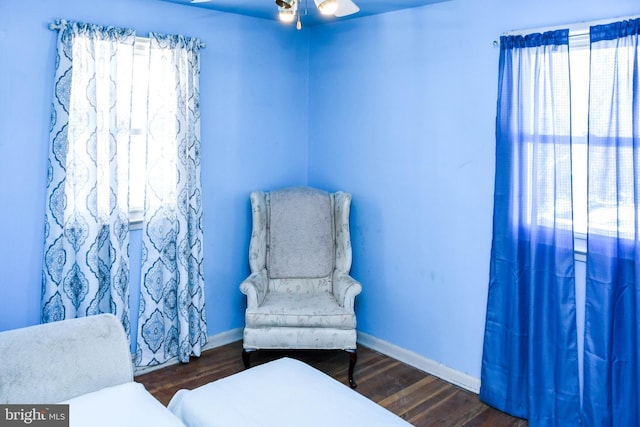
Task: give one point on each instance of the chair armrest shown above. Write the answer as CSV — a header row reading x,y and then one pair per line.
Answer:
x,y
345,289
255,288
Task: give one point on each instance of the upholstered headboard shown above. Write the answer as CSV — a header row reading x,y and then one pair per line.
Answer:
x,y
57,361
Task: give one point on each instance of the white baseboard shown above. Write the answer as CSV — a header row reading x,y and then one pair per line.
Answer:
x,y
427,365
223,338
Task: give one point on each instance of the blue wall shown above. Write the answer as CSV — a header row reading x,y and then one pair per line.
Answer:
x,y
398,109
402,114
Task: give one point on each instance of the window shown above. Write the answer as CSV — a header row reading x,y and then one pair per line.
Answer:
x,y
604,218
579,56
137,148
540,123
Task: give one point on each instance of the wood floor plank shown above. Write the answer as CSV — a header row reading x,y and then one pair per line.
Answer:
x,y
409,398
419,398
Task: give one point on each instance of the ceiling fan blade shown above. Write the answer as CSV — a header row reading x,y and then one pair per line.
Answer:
x,y
346,7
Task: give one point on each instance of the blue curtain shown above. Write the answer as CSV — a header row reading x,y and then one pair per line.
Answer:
x,y
612,313
86,264
530,356
172,313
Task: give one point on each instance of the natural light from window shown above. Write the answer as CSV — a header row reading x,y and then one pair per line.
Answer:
x,y
137,149
604,218
579,74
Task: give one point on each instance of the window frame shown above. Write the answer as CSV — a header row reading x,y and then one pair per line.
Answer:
x,y
138,131
579,41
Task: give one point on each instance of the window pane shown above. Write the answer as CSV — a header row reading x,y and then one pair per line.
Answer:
x,y
579,61
611,157
137,149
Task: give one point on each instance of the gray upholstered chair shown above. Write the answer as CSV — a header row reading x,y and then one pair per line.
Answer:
x,y
299,293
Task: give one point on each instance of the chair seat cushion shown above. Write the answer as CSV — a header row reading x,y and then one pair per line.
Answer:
x,y
317,310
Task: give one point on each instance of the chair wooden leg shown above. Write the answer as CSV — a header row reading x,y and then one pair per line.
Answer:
x,y
246,356
353,358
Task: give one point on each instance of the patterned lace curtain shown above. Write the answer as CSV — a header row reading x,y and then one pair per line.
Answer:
x,y
86,264
172,313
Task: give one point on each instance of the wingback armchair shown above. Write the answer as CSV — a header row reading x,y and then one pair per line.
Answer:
x,y
299,293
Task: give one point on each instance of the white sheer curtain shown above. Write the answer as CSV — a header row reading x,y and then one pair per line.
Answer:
x,y
172,313
86,264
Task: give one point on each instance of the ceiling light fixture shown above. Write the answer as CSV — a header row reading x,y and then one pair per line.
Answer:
x,y
326,7
289,10
285,4
287,15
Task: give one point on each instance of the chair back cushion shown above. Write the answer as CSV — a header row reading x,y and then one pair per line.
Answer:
x,y
301,233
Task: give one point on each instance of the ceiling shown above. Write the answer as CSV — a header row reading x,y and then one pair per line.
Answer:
x,y
267,9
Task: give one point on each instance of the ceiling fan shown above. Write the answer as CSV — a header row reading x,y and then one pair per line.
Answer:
x,y
289,9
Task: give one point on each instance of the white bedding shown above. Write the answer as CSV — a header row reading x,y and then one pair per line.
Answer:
x,y
124,405
282,393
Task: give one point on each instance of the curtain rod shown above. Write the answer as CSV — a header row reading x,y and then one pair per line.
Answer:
x,y
54,26
578,27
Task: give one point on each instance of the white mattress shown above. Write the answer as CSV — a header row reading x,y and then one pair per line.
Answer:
x,y
282,393
124,405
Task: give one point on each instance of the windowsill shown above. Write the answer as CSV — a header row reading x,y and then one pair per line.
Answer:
x,y
580,247
135,219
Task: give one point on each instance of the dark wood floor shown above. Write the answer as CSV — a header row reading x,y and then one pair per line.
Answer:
x,y
419,398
